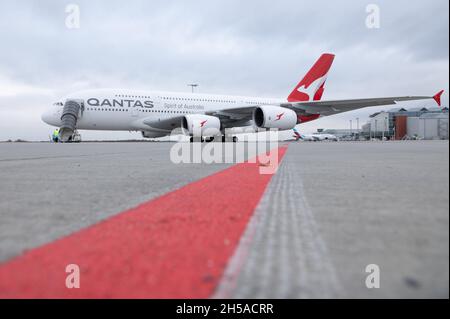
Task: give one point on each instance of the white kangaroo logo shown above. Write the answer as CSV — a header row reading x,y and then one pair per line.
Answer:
x,y
312,88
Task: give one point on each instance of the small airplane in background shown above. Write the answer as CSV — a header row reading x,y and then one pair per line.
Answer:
x,y
313,137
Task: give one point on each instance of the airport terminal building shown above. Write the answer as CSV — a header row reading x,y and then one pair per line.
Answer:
x,y
415,123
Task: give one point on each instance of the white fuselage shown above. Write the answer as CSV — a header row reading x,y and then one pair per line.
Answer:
x,y
126,110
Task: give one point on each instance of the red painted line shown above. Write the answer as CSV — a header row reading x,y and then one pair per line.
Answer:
x,y
175,246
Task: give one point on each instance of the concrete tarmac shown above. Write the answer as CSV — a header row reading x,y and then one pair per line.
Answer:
x,y
331,209
334,208
51,190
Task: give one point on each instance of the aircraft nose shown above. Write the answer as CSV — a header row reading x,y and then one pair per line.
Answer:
x,y
46,117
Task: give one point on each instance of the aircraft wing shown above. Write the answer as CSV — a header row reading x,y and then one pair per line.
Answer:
x,y
164,124
322,108
325,108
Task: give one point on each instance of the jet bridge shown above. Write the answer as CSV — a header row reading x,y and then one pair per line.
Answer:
x,y
72,111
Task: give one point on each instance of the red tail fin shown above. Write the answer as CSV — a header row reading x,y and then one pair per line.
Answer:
x,y
311,87
437,97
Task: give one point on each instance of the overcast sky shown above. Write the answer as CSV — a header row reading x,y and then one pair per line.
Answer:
x,y
256,48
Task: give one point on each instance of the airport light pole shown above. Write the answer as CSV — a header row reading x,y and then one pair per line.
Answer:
x,y
424,128
193,85
376,129
351,129
358,133
386,130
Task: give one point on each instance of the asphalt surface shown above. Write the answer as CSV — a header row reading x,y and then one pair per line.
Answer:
x,y
50,190
331,209
334,208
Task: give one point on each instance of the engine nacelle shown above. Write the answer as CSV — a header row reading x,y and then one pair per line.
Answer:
x,y
200,124
270,116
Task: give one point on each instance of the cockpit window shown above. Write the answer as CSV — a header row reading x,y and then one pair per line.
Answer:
x,y
58,104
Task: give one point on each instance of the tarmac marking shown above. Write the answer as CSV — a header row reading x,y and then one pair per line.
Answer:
x,y
175,246
282,253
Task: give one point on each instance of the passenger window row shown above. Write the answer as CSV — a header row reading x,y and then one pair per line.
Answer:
x,y
196,100
142,110
103,109
133,96
166,111
190,99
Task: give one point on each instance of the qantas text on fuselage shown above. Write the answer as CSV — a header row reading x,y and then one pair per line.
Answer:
x,y
118,103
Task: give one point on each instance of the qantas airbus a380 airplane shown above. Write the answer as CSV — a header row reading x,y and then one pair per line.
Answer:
x,y
156,114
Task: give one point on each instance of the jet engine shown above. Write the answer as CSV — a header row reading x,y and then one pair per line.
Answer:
x,y
270,116
200,124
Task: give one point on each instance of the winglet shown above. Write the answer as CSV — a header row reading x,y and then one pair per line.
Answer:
x,y
437,97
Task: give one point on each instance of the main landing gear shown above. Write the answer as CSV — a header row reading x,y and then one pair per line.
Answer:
x,y
223,139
